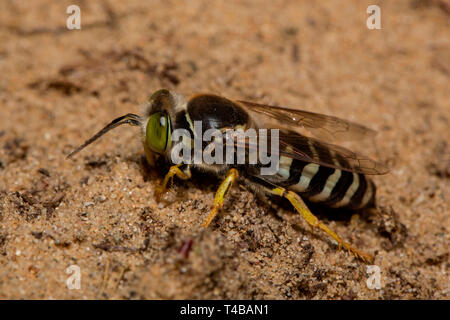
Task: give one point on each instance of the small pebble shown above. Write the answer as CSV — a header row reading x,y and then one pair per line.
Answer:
x,y
101,198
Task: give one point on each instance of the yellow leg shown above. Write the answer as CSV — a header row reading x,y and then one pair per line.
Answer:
x,y
301,207
221,193
173,171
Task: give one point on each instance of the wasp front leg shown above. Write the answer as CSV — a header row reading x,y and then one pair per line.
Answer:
x,y
314,222
173,171
221,193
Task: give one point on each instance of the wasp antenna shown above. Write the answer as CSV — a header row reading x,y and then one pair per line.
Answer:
x,y
130,118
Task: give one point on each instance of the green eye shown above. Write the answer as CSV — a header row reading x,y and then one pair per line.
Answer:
x,y
158,135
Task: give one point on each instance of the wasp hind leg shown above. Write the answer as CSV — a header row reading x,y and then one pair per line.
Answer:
x,y
173,171
314,222
221,193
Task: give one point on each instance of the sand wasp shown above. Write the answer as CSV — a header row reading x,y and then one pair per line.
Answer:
x,y
308,168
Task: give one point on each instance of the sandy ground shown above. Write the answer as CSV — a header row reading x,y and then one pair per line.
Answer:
x,y
98,211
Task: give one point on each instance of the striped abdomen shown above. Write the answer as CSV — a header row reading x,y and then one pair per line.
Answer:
x,y
332,187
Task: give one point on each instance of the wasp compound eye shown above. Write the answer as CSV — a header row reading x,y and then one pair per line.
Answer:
x,y
157,134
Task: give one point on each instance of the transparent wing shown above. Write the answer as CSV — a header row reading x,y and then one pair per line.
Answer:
x,y
297,146
320,125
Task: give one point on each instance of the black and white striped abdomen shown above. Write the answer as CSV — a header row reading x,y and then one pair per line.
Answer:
x,y
332,187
